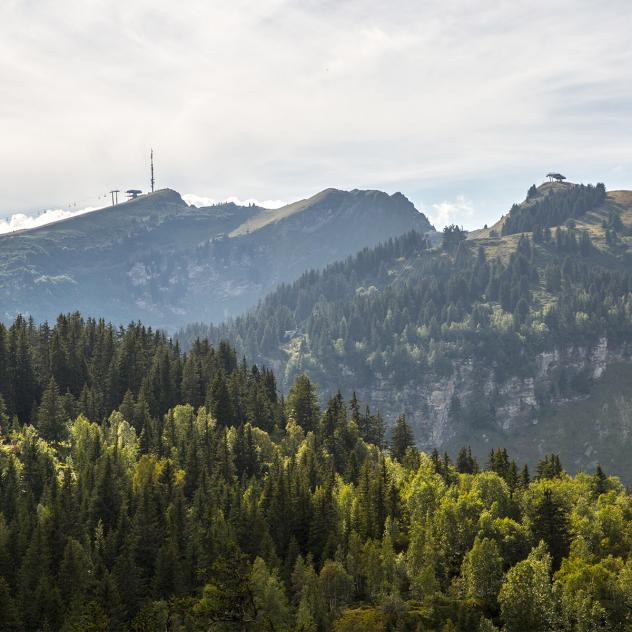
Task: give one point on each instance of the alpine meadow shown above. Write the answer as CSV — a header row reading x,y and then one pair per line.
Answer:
x,y
302,329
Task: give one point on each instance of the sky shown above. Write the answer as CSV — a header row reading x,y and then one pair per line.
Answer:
x,y
460,105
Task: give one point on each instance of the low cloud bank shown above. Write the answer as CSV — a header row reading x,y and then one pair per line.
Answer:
x,y
455,212
21,221
200,200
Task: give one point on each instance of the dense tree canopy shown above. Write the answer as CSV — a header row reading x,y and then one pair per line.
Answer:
x,y
145,488
553,208
404,314
84,366
185,507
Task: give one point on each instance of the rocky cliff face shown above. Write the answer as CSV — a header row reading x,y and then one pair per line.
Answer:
x,y
516,402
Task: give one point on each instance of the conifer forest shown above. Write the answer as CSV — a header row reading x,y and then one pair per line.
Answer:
x,y
142,488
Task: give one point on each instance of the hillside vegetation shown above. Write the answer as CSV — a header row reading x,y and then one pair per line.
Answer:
x,y
552,206
143,489
444,333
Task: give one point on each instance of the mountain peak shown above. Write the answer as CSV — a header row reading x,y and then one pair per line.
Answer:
x,y
155,256
549,187
151,200
365,203
545,206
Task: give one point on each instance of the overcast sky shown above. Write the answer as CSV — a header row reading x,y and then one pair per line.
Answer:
x,y
459,105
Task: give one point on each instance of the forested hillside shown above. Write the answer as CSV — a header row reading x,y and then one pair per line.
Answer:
x,y
144,489
158,259
474,339
552,206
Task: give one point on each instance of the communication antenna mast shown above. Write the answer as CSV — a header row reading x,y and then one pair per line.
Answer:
x,y
114,193
151,159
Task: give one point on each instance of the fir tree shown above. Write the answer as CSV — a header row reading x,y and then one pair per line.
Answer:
x,y
402,438
50,414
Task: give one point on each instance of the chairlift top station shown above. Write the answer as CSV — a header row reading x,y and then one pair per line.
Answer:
x,y
132,194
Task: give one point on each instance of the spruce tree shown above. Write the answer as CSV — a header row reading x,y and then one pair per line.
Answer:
x,y
465,462
50,414
9,613
401,439
600,481
219,401
550,523
302,403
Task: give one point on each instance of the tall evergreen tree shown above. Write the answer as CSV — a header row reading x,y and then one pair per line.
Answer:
x,y
302,403
402,438
50,414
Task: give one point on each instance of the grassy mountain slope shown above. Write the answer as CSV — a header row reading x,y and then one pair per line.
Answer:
x,y
157,259
480,341
271,216
545,189
331,200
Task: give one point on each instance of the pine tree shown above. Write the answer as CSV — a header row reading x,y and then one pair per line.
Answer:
x,y
50,414
106,501
245,452
191,386
550,523
23,389
9,612
532,192
219,401
550,467
378,430
465,462
600,481
302,403
354,409
227,598
402,438
74,574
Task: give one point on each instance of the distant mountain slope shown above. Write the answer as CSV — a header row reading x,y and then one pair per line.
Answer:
x,y
356,204
479,340
568,200
279,245
157,259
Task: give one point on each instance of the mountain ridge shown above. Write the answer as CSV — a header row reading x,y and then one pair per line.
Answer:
x,y
158,259
475,340
319,200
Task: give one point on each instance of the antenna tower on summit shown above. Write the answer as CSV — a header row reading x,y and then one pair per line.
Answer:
x,y
151,160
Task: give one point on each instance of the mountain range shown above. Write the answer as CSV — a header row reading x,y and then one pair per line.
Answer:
x,y
158,259
516,334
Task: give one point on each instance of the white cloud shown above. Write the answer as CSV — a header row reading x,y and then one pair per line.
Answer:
x,y
201,200
21,221
282,97
460,212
